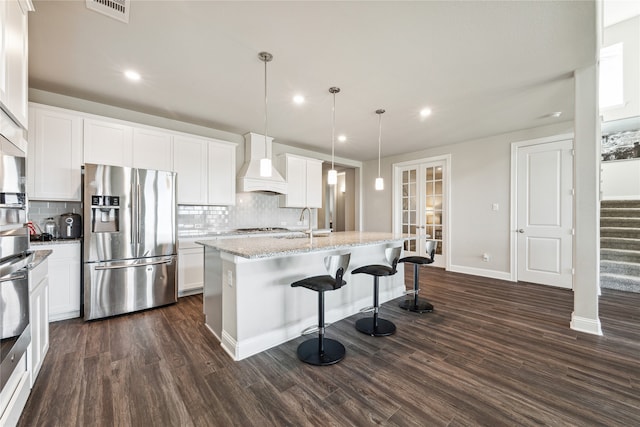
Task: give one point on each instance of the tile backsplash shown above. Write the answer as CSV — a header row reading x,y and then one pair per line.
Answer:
x,y
40,211
250,210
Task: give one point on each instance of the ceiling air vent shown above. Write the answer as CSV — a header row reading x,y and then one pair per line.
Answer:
x,y
118,9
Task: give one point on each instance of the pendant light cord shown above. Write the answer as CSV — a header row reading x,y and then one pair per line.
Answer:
x,y
265,109
379,140
333,130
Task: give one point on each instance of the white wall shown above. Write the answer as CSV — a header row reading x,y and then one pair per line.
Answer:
x,y
627,32
480,176
620,180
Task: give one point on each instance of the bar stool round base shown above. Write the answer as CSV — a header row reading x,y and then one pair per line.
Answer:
x,y
333,352
421,306
384,328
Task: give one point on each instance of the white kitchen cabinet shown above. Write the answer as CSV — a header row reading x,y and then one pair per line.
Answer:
x,y
190,162
190,267
38,318
121,144
304,180
14,395
14,59
107,143
206,170
152,149
221,173
64,280
55,154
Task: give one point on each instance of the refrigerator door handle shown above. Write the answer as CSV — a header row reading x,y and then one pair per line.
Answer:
x,y
138,204
146,264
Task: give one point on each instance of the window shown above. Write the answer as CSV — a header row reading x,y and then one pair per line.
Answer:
x,y
611,84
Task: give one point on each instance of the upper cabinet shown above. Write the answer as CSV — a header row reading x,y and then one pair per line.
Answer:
x,y
221,173
152,149
304,180
206,171
108,143
14,59
112,142
55,154
60,141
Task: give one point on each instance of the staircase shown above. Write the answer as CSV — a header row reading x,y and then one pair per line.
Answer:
x,y
620,245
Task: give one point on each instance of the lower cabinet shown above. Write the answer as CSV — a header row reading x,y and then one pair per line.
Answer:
x,y
38,317
14,394
190,268
64,280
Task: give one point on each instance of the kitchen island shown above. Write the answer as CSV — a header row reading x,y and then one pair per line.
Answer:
x,y
249,303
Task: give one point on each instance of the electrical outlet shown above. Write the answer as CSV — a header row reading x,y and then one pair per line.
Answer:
x,y
495,207
486,257
230,278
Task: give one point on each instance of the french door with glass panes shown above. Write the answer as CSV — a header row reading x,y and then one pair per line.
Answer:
x,y
421,208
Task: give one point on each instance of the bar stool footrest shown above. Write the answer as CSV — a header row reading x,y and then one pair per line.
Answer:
x,y
313,329
367,309
420,306
308,352
384,328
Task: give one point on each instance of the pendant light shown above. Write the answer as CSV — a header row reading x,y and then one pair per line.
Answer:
x,y
265,162
379,180
332,175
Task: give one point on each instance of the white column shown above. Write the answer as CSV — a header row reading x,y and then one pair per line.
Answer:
x,y
587,213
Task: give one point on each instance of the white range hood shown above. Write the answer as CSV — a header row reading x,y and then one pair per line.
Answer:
x,y
249,179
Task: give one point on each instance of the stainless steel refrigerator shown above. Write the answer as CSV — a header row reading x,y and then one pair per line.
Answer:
x,y
130,252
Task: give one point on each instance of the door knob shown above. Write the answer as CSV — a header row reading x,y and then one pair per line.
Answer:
x,y
521,230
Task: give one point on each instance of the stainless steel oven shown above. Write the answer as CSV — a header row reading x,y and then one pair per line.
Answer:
x,y
15,333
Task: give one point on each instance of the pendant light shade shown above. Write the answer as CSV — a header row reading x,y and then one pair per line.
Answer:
x,y
332,175
379,180
265,162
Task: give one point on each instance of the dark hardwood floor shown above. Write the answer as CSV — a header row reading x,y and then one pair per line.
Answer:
x,y
492,353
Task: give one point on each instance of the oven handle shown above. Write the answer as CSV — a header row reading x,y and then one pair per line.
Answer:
x,y
14,276
115,267
9,269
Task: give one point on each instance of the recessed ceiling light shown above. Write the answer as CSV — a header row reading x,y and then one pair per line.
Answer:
x,y
298,99
132,75
342,138
556,114
425,112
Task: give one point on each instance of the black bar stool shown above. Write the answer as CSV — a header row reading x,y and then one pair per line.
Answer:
x,y
416,304
323,351
375,326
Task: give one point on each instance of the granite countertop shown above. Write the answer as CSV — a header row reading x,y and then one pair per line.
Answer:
x,y
38,257
297,243
265,231
55,242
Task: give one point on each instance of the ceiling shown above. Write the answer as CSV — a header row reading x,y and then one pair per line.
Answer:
x,y
483,67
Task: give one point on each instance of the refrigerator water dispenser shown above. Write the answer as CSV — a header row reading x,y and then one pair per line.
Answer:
x,y
105,214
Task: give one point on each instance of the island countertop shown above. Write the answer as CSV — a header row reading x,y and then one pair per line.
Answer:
x,y
267,247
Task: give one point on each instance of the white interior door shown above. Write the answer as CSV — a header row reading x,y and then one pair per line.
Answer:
x,y
545,213
421,208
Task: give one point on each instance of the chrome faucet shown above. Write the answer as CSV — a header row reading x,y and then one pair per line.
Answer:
x,y
302,219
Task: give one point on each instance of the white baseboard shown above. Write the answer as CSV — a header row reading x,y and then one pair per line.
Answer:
x,y
583,324
188,292
229,345
502,275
